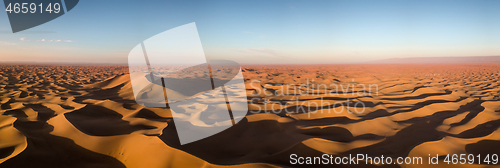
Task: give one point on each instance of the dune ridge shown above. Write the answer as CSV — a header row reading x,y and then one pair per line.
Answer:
x,y
81,116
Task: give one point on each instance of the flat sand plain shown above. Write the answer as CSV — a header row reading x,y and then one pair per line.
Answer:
x,y
86,116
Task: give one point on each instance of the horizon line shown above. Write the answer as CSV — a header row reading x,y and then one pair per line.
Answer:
x,y
379,61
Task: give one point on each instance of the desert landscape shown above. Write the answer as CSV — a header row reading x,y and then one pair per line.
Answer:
x,y
86,116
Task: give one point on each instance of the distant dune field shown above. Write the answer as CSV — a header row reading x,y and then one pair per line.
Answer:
x,y
86,116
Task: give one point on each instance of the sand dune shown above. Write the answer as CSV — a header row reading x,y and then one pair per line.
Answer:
x,y
86,116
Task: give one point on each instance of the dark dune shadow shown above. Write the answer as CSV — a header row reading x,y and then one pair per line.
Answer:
x,y
104,94
46,150
100,121
404,140
481,130
252,142
422,96
423,129
235,145
483,147
337,134
7,151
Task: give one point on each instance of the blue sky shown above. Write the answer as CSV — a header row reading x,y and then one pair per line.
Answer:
x,y
267,31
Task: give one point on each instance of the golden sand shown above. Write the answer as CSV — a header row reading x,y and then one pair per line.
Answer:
x,y
86,116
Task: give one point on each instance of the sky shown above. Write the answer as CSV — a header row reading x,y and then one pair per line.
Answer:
x,y
264,31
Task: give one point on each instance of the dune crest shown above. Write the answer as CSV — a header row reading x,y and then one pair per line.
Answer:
x,y
81,116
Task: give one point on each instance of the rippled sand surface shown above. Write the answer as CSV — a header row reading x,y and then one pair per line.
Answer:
x,y
86,116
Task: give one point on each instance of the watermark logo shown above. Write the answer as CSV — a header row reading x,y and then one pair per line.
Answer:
x,y
26,14
205,96
310,97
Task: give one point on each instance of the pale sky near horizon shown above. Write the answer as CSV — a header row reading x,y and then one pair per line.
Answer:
x,y
265,31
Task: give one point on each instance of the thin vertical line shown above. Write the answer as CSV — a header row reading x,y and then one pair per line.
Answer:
x,y
164,92
147,62
211,77
228,105
223,92
64,6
